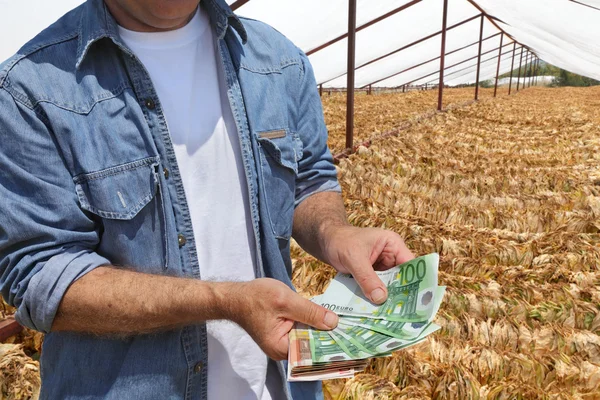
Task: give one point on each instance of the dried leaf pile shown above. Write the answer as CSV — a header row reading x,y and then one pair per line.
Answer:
x,y
382,112
508,192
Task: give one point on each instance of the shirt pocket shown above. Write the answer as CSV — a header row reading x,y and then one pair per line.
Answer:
x,y
279,156
131,214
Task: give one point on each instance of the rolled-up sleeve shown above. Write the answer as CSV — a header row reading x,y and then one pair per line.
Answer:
x,y
316,171
46,241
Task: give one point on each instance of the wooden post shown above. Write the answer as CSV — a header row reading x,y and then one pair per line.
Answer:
x,y
321,90
350,71
479,58
443,56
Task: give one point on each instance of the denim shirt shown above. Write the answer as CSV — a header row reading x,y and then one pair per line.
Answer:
x,y
88,177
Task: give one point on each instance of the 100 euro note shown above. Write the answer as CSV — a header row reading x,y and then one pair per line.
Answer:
x,y
411,288
398,329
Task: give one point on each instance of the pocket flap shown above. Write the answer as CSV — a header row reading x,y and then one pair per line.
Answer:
x,y
118,192
282,149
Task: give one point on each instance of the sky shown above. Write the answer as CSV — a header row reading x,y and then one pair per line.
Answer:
x,y
23,19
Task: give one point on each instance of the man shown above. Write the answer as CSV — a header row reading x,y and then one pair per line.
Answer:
x,y
156,158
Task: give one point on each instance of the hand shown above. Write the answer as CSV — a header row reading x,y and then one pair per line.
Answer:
x,y
267,310
361,251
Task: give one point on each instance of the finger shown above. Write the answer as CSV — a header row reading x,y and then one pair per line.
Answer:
x,y
280,352
301,310
392,253
401,252
369,282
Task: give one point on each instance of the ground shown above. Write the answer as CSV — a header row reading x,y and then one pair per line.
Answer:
x,y
507,190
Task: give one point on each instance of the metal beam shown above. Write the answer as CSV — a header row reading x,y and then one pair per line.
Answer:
x,y
586,5
443,57
498,68
512,68
474,65
432,59
237,4
454,65
409,45
479,58
351,69
364,26
9,327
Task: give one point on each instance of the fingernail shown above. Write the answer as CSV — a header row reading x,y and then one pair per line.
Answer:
x,y
331,319
378,295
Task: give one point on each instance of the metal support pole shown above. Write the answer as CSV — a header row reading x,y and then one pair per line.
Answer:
x,y
520,64
351,67
526,72
512,67
443,56
525,69
498,68
479,58
531,70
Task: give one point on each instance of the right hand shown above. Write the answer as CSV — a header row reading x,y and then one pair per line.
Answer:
x,y
267,309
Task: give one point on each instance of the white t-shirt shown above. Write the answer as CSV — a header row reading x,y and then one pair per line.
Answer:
x,y
183,67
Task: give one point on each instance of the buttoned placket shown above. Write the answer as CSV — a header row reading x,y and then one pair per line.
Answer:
x,y
234,94
171,184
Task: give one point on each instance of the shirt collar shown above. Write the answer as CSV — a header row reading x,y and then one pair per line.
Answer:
x,y
97,23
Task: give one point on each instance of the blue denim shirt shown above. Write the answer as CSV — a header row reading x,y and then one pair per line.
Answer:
x,y
88,177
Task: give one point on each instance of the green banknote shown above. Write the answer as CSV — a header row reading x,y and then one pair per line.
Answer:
x,y
378,344
411,288
397,329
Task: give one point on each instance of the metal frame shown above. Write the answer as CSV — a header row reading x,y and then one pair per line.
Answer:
x,y
456,64
512,68
432,59
351,36
471,66
479,57
408,46
443,57
366,25
351,71
498,67
585,5
520,65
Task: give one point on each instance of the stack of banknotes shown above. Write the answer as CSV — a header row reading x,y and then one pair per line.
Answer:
x,y
367,330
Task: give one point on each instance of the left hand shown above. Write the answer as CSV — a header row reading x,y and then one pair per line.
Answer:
x,y
361,251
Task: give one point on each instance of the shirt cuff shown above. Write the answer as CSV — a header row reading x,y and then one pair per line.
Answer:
x,y
328,185
48,286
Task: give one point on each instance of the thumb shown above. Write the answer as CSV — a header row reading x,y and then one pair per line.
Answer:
x,y
309,313
371,285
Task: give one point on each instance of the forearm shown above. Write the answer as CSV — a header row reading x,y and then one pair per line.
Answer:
x,y
314,218
111,301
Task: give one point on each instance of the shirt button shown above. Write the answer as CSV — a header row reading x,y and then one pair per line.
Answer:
x,y
198,367
150,103
166,173
181,240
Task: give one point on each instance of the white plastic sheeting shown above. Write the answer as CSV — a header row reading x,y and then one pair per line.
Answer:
x,y
561,32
